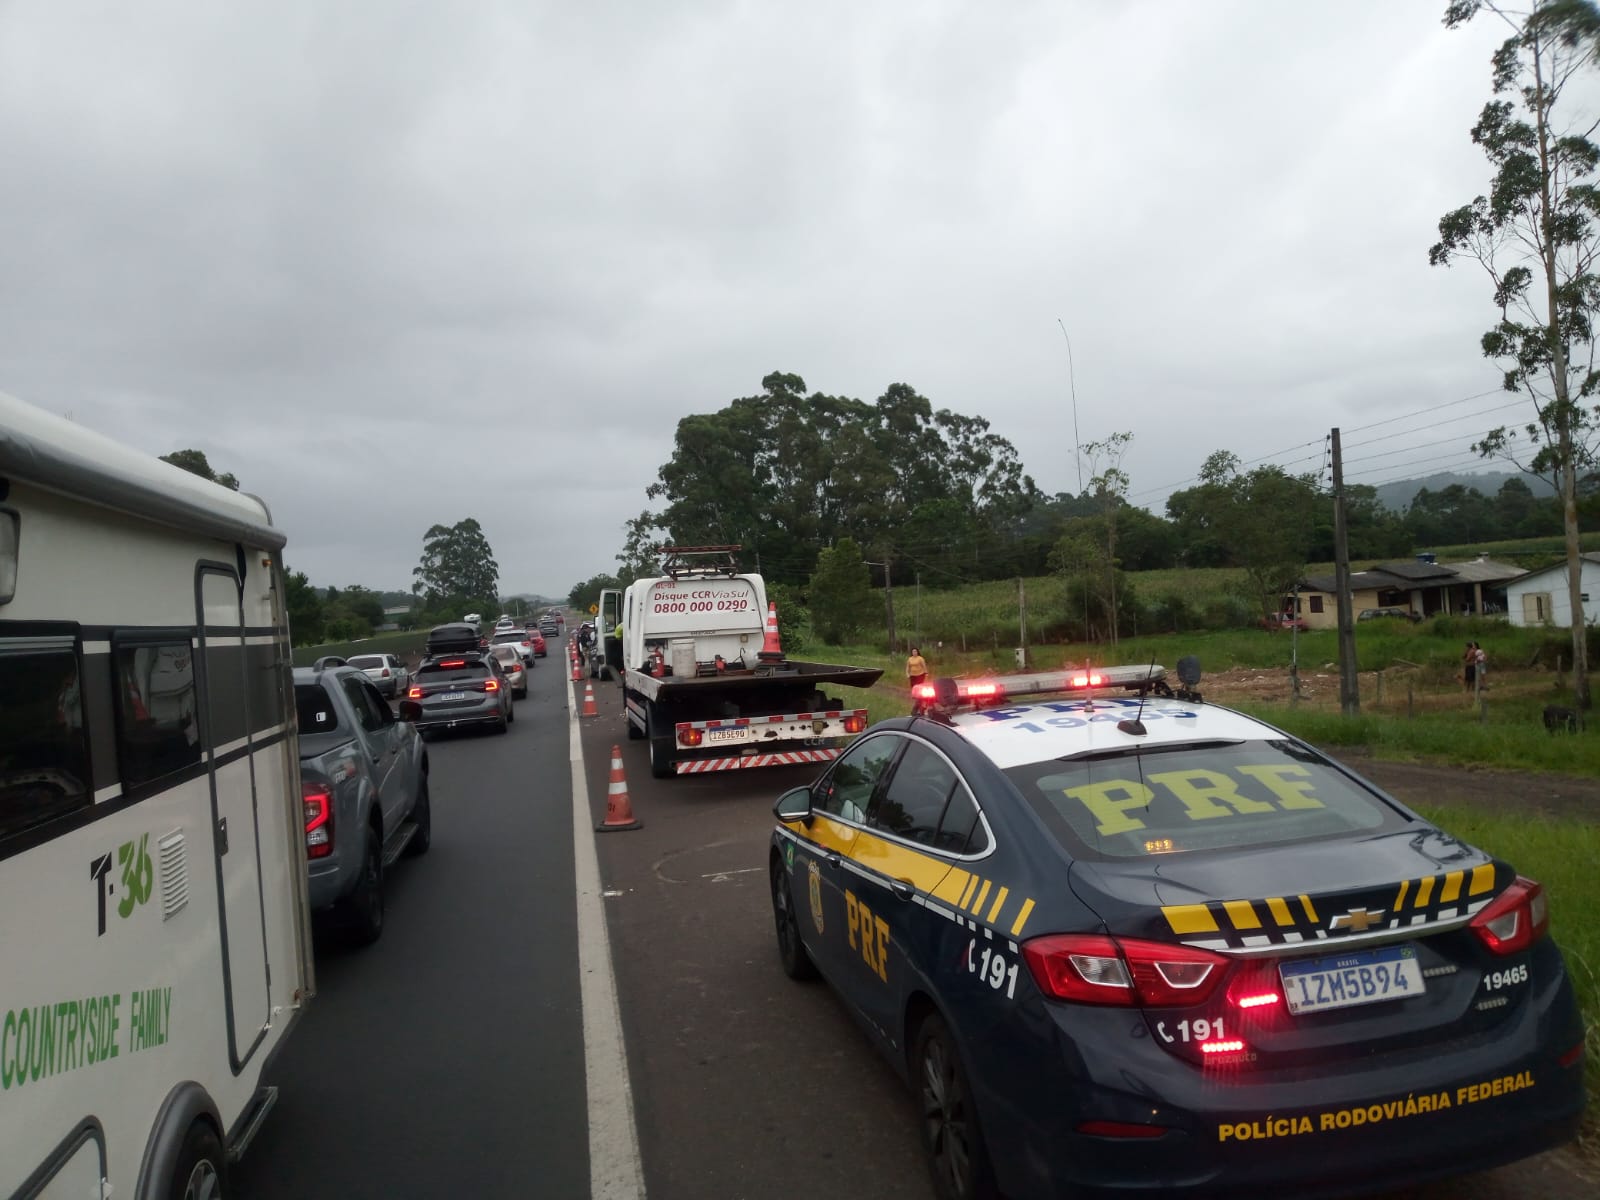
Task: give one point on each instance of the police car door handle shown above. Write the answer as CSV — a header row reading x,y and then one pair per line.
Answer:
x,y
903,888
833,860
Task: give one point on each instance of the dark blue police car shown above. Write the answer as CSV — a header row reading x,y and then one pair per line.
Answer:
x,y
1121,942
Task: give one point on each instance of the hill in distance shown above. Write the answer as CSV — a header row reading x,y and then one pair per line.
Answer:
x,y
1397,495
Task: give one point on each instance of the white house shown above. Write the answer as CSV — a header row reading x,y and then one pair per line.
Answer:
x,y
1540,597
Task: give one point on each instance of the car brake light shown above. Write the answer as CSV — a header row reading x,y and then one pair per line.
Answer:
x,y
1255,986
414,693
491,685
454,662
1515,919
855,723
1094,969
318,802
386,672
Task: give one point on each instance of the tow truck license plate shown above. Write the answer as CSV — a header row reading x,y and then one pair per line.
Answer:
x,y
1358,977
453,696
737,734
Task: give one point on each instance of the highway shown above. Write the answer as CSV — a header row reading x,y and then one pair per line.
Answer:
x,y
449,1059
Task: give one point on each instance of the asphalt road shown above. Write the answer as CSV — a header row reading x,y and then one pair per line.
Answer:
x,y
448,1060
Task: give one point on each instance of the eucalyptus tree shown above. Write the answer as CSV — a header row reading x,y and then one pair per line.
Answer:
x,y
1535,234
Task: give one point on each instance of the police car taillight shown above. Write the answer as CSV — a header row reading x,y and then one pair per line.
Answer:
x,y
1515,920
1093,969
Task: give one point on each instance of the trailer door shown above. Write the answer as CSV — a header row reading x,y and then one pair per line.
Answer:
x,y
233,809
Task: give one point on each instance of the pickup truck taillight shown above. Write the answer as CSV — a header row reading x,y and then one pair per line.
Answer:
x,y
319,819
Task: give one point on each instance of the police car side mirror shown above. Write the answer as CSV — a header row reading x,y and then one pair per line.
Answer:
x,y
793,805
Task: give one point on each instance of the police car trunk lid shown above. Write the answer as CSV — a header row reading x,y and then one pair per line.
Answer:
x,y
1300,923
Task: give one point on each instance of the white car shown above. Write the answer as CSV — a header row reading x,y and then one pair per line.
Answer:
x,y
388,674
510,656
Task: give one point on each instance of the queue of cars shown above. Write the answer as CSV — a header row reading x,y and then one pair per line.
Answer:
x,y
1121,942
364,769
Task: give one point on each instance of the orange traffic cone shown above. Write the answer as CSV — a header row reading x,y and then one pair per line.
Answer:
x,y
589,707
771,647
577,672
619,812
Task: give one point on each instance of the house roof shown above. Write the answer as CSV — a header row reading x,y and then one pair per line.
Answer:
x,y
1588,557
1403,576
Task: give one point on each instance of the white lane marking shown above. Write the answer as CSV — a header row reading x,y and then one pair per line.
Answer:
x,y
719,876
615,1172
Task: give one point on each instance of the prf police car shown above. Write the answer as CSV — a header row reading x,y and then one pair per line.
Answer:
x,y
1133,944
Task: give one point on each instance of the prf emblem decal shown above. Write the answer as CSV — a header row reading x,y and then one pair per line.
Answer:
x,y
816,896
1357,920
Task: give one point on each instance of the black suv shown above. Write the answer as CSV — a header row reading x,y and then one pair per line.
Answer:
x,y
455,636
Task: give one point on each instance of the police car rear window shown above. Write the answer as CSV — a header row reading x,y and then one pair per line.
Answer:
x,y
1216,796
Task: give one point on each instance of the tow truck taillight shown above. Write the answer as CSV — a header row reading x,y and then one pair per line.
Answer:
x,y
318,803
414,693
688,735
855,723
1093,969
1515,919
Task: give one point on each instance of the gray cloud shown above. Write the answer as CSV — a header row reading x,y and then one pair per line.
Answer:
x,y
333,244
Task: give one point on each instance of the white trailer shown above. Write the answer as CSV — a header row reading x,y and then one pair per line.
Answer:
x,y
154,923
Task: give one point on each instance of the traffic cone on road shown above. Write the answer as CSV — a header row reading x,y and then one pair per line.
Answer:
x,y
619,812
577,673
771,647
589,707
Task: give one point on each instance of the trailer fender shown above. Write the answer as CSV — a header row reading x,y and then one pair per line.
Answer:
x,y
184,1105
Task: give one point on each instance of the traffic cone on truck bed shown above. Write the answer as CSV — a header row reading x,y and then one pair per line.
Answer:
x,y
619,812
771,647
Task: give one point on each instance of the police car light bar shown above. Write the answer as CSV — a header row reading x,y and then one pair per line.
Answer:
x,y
953,693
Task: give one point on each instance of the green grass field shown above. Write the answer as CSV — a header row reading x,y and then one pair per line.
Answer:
x,y
1561,856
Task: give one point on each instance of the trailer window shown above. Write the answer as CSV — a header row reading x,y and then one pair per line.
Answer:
x,y
158,723
44,752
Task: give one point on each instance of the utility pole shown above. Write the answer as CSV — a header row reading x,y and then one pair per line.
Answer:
x,y
1022,616
1349,690
917,633
888,595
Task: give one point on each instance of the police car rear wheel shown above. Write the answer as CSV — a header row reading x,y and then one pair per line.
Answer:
x,y
797,963
950,1135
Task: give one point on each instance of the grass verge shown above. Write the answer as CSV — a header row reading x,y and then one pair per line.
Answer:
x,y
1560,854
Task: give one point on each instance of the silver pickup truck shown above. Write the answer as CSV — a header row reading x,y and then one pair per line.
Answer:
x,y
364,781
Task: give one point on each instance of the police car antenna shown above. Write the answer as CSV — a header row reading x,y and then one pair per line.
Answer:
x,y
1136,726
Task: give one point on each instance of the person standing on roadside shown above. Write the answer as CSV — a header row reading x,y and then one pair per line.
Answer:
x,y
1469,665
916,668
1480,663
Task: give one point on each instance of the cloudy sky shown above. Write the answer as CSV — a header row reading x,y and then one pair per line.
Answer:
x,y
401,262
